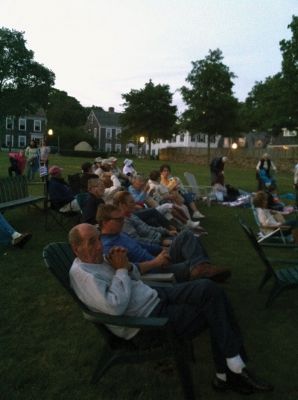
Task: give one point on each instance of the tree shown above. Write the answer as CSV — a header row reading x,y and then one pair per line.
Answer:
x,y
212,108
24,83
149,112
66,116
289,49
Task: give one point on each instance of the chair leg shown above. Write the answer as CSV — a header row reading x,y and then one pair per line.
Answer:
x,y
275,291
185,373
265,279
107,359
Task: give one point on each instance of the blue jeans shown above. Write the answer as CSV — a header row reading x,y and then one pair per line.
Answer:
x,y
194,306
6,230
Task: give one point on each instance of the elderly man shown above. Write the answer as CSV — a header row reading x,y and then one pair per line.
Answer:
x,y
113,286
186,256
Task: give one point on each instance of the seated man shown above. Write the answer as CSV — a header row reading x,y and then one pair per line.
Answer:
x,y
95,193
9,235
186,257
138,229
113,286
60,194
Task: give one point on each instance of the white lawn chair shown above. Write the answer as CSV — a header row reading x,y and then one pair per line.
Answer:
x,y
204,193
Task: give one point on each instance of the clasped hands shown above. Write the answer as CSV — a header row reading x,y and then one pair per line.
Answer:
x,y
117,258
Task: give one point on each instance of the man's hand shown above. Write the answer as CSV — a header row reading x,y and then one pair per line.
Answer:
x,y
166,242
117,257
163,259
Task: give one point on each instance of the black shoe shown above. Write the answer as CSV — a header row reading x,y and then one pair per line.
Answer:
x,y
246,383
219,385
21,240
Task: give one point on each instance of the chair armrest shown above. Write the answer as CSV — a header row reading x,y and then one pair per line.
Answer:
x,y
282,261
132,322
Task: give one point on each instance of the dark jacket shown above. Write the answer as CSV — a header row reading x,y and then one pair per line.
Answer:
x,y
90,209
59,192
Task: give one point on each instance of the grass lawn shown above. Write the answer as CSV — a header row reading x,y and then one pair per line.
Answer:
x,y
47,349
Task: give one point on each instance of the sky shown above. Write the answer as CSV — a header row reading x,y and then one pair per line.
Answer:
x,y
100,49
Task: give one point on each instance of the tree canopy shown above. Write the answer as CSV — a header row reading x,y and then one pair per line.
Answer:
x,y
67,117
24,83
273,103
149,112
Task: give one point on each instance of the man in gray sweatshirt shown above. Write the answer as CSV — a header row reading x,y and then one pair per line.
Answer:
x,y
112,286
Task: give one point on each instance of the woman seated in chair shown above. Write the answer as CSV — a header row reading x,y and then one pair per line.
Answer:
x,y
174,185
272,219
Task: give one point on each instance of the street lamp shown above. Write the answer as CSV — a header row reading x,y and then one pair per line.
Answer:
x,y
142,141
234,146
51,133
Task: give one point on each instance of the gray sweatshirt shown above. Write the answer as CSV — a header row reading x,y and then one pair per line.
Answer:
x,y
115,292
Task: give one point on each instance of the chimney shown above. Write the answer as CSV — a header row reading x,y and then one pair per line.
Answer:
x,y
111,109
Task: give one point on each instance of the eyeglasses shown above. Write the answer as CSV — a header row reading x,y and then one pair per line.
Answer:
x,y
117,218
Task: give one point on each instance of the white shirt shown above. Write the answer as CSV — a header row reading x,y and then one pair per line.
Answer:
x,y
114,292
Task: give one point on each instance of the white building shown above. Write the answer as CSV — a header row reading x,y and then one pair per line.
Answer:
x,y
199,140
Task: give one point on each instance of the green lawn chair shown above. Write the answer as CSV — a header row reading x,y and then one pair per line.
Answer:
x,y
58,258
283,278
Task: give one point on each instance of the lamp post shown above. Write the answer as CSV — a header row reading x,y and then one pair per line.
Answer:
x,y
142,141
51,133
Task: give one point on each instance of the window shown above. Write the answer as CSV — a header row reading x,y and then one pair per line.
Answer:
x,y
212,138
8,140
118,148
193,138
37,125
9,123
108,147
103,131
108,133
201,138
95,132
22,124
22,141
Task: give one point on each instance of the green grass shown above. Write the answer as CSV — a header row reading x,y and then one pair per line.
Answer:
x,y
48,350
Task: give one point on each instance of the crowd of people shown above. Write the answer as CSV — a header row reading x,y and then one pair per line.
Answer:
x,y
133,224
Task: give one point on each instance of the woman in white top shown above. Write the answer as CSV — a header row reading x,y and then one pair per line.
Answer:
x,y
271,219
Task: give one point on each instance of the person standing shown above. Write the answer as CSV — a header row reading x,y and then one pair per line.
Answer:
x,y
31,154
263,170
217,166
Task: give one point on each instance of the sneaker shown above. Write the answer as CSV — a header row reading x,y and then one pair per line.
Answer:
x,y
192,224
197,214
21,240
206,270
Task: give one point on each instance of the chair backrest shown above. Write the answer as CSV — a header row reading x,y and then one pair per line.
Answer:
x,y
249,233
59,257
191,181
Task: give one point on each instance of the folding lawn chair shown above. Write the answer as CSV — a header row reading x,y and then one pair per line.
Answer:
x,y
58,258
284,278
275,238
202,192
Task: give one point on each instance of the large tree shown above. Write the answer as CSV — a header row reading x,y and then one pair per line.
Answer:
x,y
289,49
24,83
149,112
66,117
211,106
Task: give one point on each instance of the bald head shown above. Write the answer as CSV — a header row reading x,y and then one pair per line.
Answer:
x,y
85,242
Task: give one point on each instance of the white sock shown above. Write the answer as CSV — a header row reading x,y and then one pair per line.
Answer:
x,y
235,364
15,235
222,377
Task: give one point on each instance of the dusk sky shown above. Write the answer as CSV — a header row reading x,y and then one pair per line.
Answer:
x,y
99,49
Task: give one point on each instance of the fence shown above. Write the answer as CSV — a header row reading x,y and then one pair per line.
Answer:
x,y
284,156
